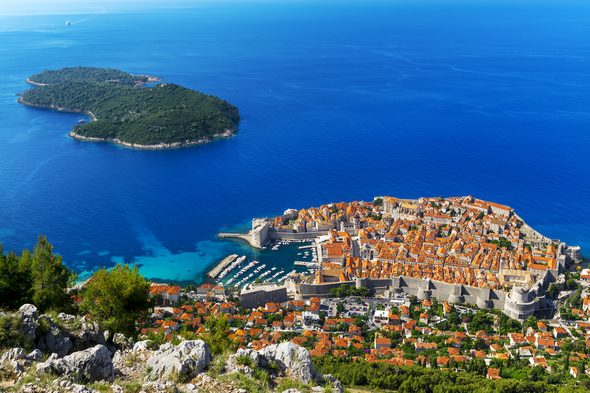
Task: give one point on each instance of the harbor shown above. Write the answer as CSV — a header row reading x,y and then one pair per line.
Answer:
x,y
274,261
217,269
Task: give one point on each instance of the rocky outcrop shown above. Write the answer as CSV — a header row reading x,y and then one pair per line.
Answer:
x,y
12,354
188,358
92,364
28,315
334,383
141,346
293,360
52,339
35,356
85,334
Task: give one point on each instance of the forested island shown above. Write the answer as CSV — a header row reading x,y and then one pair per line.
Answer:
x,y
151,117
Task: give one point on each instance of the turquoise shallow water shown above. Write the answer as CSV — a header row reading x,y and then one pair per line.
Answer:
x,y
340,101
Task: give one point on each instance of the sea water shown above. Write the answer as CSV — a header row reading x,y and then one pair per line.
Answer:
x,y
339,101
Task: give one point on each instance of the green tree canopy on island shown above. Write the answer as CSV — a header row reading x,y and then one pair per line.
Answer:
x,y
165,113
40,278
116,298
87,74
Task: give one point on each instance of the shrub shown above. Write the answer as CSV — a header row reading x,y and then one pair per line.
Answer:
x,y
273,366
244,360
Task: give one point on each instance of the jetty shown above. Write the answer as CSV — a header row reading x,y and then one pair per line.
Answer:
x,y
244,236
217,269
302,263
302,247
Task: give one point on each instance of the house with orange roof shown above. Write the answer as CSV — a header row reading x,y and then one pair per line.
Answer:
x,y
493,373
277,325
424,318
538,361
169,293
289,321
299,340
559,332
542,326
420,346
442,361
545,343
296,304
382,342
516,338
574,372
446,309
186,318
203,289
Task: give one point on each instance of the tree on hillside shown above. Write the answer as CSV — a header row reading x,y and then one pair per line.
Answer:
x,y
16,282
39,277
116,298
50,276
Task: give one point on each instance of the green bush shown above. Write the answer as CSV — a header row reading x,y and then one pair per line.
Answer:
x,y
244,360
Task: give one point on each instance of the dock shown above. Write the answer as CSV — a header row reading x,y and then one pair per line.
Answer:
x,y
303,263
217,269
302,247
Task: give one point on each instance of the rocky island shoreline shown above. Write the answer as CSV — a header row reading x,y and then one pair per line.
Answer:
x,y
227,134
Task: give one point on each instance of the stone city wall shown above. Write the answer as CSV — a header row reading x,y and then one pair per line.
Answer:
x,y
272,234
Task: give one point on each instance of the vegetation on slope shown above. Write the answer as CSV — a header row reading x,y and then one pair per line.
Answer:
x,y
87,75
40,278
166,113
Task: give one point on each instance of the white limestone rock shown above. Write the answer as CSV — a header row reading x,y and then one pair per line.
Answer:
x,y
233,366
167,386
336,384
291,358
53,340
93,364
141,346
35,356
12,354
17,367
189,357
28,314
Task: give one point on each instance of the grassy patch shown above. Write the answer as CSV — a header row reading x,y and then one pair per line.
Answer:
x,y
177,377
9,334
130,387
287,383
101,387
242,381
132,360
274,366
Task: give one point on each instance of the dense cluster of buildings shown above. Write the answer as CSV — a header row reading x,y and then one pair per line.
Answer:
x,y
407,332
465,242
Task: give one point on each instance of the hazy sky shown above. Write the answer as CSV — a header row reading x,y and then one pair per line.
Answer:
x,y
29,7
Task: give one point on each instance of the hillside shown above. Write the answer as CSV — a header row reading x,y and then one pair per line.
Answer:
x,y
165,115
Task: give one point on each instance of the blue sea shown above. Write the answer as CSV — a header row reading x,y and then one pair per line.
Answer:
x,y
339,101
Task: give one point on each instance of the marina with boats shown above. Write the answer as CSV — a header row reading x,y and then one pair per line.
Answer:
x,y
237,271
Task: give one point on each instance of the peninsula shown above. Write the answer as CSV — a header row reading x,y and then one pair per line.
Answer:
x,y
459,249
126,112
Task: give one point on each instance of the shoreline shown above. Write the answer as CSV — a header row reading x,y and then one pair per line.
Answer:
x,y
57,108
227,133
